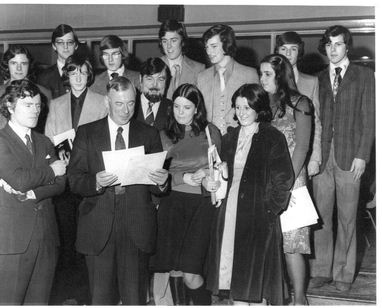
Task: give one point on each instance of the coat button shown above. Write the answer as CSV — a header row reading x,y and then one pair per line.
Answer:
x,y
241,195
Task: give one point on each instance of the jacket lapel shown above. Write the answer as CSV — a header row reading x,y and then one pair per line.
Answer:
x,y
19,146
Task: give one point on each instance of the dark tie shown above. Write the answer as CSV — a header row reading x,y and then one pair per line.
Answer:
x,y
77,113
29,143
150,114
337,81
113,75
119,145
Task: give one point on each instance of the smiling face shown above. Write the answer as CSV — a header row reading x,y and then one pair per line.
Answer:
x,y
65,46
172,45
336,49
26,111
215,52
121,105
290,51
244,113
18,67
268,78
184,110
153,86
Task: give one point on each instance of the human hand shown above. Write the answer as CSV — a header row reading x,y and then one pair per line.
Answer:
x,y
313,168
198,176
104,179
223,168
187,178
65,156
58,167
159,176
358,168
210,184
9,189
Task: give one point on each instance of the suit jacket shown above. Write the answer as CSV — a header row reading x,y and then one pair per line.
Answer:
x,y
189,74
50,78
101,81
24,171
241,74
160,120
60,114
96,211
350,120
308,86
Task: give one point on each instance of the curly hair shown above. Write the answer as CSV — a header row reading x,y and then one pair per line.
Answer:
x,y
12,51
335,31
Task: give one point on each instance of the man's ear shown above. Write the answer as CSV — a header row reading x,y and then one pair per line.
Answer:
x,y
11,108
54,47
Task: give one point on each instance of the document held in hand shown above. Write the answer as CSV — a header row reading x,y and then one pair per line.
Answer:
x,y
301,214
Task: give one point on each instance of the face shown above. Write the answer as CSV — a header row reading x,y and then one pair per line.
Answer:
x,y
65,46
245,114
184,110
78,78
18,67
153,86
214,49
268,78
121,105
290,51
26,111
112,58
172,45
336,49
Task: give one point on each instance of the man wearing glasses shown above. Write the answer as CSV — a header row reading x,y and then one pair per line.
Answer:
x,y
115,57
64,43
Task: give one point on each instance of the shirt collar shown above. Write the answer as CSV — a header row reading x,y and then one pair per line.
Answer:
x,y
177,61
228,69
114,126
19,130
60,65
343,64
296,73
120,71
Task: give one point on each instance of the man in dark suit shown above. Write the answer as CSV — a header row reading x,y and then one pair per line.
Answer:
x,y
64,43
152,106
347,98
30,175
117,225
115,57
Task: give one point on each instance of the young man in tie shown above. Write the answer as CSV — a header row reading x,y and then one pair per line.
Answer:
x,y
218,82
173,41
347,98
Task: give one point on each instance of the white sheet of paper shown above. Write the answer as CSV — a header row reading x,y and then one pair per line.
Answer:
x,y
139,167
116,161
301,214
69,134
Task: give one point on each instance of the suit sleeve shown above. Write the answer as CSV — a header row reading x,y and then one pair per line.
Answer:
x,y
316,152
18,177
51,119
368,117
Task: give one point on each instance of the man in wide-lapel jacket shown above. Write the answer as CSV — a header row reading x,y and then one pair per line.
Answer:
x,y
153,79
218,82
173,42
347,98
116,225
30,175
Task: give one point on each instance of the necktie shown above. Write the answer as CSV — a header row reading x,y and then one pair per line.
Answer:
x,y
113,75
221,77
176,76
150,114
119,145
337,81
29,143
77,113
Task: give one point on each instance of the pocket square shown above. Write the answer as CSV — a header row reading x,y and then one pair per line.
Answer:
x,y
47,156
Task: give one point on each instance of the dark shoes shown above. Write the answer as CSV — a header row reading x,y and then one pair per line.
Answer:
x,y
318,282
342,286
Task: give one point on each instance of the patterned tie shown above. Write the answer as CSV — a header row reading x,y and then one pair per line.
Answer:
x,y
337,81
119,145
29,143
221,71
113,75
150,114
176,76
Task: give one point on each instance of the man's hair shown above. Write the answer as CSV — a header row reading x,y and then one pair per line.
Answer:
x,y
114,41
153,66
61,30
17,89
290,37
120,83
227,37
76,61
335,31
12,51
171,25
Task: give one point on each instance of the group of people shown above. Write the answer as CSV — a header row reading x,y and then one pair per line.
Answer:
x,y
272,133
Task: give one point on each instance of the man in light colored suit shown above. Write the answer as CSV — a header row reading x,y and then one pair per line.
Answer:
x,y
291,46
30,175
115,57
173,42
347,98
224,77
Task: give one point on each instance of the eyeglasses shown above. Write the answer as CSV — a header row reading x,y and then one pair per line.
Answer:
x,y
69,43
77,72
113,55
